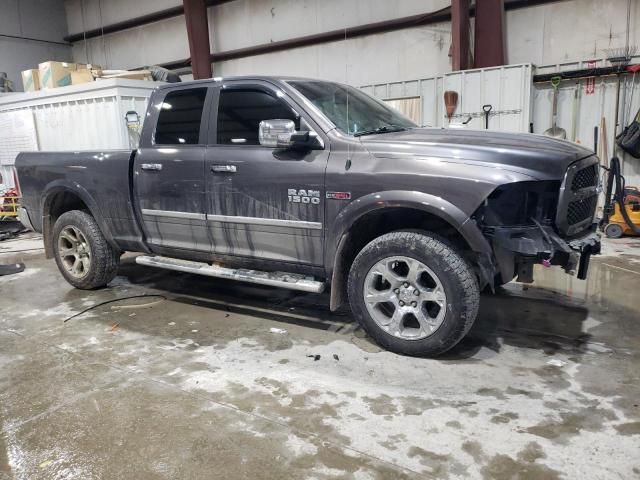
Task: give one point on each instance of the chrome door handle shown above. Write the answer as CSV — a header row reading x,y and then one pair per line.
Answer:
x,y
224,168
151,166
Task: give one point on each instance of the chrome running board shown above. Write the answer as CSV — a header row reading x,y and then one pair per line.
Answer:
x,y
291,281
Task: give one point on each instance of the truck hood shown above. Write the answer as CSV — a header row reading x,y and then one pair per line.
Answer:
x,y
541,157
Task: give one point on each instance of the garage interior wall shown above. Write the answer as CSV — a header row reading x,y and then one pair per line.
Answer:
x,y
549,36
538,35
31,32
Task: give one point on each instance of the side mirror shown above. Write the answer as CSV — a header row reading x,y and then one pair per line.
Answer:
x,y
276,133
283,134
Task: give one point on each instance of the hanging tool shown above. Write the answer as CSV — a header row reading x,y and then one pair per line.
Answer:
x,y
574,115
555,131
622,210
450,102
487,110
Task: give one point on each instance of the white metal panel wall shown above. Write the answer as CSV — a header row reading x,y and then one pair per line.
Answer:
x,y
589,110
507,89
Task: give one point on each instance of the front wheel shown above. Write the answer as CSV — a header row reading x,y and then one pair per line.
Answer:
x,y
413,293
84,257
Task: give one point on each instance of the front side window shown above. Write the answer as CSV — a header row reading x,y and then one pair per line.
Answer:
x,y
240,112
351,110
180,117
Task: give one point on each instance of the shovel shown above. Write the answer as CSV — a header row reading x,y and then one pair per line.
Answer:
x,y
555,131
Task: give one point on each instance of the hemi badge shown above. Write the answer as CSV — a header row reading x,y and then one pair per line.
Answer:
x,y
339,195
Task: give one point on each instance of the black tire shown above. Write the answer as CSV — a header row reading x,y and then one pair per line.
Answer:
x,y
454,273
103,258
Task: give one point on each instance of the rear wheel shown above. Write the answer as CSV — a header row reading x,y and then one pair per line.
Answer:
x,y
414,294
84,257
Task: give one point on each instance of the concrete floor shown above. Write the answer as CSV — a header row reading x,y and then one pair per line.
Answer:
x,y
209,379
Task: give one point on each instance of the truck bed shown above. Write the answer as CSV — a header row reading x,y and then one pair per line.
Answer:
x,y
102,178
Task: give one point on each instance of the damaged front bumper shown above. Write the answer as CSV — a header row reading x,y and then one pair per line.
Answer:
x,y
518,249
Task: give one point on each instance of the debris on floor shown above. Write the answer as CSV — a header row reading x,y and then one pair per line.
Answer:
x,y
11,269
554,362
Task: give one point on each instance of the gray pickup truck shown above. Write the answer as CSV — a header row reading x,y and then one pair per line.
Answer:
x,y
308,184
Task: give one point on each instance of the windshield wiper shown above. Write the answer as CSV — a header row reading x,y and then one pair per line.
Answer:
x,y
383,129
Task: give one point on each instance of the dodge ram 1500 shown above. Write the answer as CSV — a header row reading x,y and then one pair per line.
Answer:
x,y
308,184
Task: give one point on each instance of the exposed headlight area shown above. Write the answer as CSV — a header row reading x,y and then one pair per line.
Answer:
x,y
520,204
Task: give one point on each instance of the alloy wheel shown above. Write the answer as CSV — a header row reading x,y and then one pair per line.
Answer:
x,y
405,297
74,251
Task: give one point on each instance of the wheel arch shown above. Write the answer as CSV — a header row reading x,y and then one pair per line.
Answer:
x,y
379,213
60,197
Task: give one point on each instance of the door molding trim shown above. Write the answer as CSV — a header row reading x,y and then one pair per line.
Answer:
x,y
173,214
265,221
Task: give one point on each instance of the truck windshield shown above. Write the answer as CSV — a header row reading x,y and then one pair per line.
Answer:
x,y
351,110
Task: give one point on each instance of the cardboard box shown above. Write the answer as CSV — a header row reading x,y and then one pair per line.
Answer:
x,y
56,74
31,80
81,76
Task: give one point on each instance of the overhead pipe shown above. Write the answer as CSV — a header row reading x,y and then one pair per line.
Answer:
x,y
135,22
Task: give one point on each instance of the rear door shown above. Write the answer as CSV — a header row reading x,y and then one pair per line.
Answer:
x,y
262,202
168,174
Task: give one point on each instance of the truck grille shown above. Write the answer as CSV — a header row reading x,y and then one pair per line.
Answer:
x,y
587,177
580,210
578,197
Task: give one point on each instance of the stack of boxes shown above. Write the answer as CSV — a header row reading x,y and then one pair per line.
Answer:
x,y
53,74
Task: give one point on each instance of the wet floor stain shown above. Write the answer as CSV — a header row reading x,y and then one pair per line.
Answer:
x,y
630,428
503,467
546,374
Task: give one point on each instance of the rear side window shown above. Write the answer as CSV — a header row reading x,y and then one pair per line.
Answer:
x,y
180,117
241,111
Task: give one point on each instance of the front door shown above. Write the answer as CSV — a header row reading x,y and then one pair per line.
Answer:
x,y
263,202
169,176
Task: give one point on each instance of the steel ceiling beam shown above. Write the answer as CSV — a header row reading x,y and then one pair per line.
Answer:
x,y
460,51
195,15
489,34
442,15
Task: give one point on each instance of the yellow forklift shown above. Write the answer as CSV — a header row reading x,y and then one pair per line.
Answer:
x,y
622,210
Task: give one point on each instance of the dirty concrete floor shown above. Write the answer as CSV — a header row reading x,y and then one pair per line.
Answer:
x,y
198,378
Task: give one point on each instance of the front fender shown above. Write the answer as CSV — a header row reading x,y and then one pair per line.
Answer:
x,y
339,242
60,186
432,204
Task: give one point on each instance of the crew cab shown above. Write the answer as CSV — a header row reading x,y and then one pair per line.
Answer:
x,y
313,185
